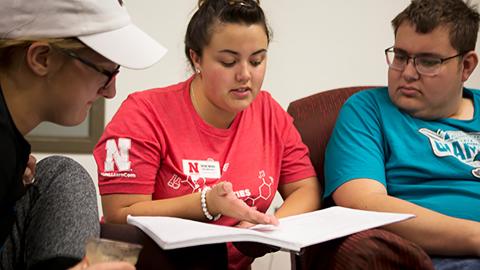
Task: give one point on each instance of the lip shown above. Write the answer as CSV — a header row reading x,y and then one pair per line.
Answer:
x,y
241,92
246,88
409,90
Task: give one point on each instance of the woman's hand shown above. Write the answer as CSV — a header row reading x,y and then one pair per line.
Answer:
x,y
222,200
29,174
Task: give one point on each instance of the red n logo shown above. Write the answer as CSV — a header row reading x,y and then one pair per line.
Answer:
x,y
193,167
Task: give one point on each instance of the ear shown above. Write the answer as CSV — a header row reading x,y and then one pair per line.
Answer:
x,y
470,62
39,58
195,59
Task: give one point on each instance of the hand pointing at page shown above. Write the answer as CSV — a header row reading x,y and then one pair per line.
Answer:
x,y
222,200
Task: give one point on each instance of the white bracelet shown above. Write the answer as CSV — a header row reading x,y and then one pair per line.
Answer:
x,y
203,201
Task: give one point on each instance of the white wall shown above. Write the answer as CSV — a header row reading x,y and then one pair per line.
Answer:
x,y
317,45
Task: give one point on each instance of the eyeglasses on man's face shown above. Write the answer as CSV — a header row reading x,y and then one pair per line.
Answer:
x,y
110,74
428,65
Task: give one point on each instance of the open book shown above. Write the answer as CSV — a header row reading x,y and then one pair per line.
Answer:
x,y
293,233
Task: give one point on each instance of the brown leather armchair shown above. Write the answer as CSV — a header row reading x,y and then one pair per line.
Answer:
x,y
314,117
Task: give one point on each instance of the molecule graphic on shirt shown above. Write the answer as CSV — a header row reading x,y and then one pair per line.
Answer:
x,y
194,182
264,190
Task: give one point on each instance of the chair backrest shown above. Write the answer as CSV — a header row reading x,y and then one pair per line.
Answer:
x,y
314,117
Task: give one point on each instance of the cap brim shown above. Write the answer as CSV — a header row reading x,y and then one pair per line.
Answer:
x,y
128,46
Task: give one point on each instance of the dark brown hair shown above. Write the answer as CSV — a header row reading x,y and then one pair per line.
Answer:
x,y
461,18
211,12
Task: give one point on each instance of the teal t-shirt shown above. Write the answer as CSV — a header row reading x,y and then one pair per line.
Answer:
x,y
434,164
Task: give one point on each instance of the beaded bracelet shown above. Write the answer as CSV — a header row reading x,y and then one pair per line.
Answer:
x,y
203,201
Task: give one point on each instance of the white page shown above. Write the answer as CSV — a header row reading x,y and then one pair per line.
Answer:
x,y
293,233
170,233
330,223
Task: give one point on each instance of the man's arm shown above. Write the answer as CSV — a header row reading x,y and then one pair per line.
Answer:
x,y
438,234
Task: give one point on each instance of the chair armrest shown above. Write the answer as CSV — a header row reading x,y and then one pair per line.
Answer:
x,y
374,249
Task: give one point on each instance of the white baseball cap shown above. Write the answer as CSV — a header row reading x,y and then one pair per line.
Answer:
x,y
102,25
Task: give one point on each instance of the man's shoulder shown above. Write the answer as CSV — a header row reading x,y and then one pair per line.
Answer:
x,y
371,96
376,92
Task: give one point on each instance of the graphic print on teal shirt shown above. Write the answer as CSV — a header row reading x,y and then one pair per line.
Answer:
x,y
464,146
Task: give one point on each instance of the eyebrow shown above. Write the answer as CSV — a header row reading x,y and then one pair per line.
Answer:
x,y
398,50
236,53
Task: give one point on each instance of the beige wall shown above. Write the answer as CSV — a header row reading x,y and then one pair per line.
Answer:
x,y
317,45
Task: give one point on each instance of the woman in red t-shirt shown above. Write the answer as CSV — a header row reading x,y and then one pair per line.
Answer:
x,y
215,147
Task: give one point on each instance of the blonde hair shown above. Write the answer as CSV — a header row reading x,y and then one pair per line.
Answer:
x,y
11,50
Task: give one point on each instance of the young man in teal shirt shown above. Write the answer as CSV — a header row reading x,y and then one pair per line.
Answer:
x,y
414,147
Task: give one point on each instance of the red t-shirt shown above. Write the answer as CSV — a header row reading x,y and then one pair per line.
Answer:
x,y
157,144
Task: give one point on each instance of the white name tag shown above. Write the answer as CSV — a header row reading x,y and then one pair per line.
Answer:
x,y
201,168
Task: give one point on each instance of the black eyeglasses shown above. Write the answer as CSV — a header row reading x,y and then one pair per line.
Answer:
x,y
110,74
424,64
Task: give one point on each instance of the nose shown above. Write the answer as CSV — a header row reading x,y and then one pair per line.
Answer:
x,y
410,72
110,91
243,73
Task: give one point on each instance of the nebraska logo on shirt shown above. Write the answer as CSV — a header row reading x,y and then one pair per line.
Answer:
x,y
117,154
201,168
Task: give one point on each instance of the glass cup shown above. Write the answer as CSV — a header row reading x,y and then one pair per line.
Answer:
x,y
104,250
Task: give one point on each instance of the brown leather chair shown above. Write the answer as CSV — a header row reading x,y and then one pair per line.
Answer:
x,y
314,117
153,257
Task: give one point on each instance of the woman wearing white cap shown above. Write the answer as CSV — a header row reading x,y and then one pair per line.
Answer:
x,y
56,58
